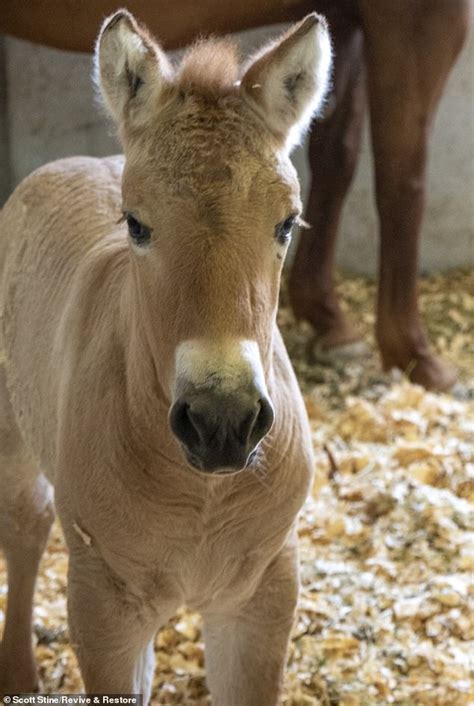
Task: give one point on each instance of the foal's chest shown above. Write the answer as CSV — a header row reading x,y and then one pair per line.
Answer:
x,y
208,552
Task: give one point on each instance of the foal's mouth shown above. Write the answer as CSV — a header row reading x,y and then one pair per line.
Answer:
x,y
197,465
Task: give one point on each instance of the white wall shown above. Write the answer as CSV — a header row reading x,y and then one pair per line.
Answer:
x,y
50,112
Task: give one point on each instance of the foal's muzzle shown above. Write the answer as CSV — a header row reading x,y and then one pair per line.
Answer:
x,y
220,432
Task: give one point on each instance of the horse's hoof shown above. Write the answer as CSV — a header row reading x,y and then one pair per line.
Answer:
x,y
343,353
430,372
433,373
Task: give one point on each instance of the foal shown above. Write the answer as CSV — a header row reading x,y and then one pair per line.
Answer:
x,y
144,372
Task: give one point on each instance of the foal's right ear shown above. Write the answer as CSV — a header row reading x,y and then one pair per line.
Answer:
x,y
131,70
287,81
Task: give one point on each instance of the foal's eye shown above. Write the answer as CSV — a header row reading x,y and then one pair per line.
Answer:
x,y
139,233
283,229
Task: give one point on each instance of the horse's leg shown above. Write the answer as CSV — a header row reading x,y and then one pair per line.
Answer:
x,y
26,514
246,649
333,152
411,48
112,628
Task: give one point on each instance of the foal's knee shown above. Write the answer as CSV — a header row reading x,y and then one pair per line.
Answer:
x,y
26,518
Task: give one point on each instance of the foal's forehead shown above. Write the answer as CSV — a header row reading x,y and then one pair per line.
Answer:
x,y
218,144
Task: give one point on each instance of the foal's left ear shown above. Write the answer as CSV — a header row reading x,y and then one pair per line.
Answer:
x,y
288,80
130,68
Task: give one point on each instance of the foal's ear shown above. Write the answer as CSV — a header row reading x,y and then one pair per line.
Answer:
x,y
130,68
287,81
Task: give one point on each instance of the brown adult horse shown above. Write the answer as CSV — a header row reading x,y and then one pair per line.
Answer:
x,y
407,49
131,358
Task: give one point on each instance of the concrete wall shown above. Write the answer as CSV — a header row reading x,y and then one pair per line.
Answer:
x,y
4,142
48,110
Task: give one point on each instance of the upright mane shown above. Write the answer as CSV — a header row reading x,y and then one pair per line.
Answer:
x,y
210,66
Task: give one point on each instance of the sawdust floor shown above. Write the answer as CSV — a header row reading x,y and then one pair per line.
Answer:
x,y
386,539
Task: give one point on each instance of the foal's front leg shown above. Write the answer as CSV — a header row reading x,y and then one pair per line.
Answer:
x,y
112,628
246,650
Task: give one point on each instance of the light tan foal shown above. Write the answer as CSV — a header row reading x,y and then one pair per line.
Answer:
x,y
143,370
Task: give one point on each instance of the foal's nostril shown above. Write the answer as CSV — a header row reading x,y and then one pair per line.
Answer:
x,y
181,422
263,421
